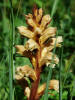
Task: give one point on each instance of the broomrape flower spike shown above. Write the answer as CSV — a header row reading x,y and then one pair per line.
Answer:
x,y
38,48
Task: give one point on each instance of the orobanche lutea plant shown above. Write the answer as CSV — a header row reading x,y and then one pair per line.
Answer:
x,y
38,48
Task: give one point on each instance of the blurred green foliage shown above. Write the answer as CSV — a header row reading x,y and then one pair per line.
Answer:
x,y
63,19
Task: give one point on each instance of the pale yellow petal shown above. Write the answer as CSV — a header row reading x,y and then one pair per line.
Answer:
x,y
20,49
31,45
49,32
37,31
52,57
18,77
29,16
40,13
48,58
45,50
53,84
57,41
41,90
26,71
33,60
25,32
31,22
52,65
27,92
45,20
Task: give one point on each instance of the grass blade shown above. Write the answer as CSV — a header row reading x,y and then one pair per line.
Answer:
x,y
47,84
68,68
50,72
11,61
60,79
54,8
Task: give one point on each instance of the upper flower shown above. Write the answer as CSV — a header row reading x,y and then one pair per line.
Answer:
x,y
41,38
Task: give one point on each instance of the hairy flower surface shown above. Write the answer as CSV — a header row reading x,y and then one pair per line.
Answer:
x,y
38,48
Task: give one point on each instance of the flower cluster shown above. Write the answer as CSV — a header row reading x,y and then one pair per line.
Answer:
x,y
38,48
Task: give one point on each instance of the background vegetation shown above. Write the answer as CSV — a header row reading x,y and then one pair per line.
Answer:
x,y
63,14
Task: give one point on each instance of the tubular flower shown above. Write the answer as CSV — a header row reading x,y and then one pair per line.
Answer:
x,y
53,84
38,48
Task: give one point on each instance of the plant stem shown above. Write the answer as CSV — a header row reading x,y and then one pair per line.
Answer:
x,y
36,83
35,87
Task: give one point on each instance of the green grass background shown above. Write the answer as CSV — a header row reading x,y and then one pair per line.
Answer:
x,y
63,17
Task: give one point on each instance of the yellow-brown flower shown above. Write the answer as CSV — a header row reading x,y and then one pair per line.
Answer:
x,y
38,48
